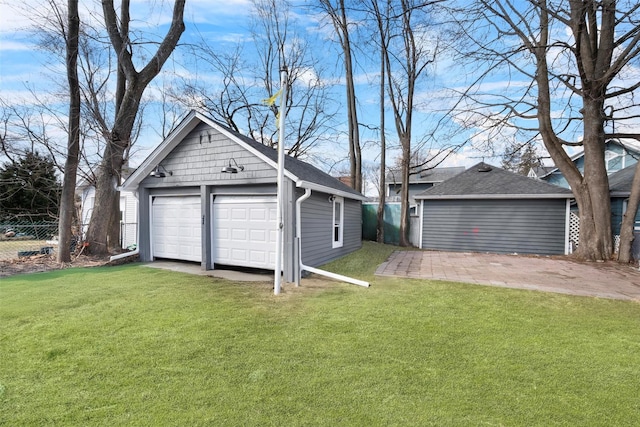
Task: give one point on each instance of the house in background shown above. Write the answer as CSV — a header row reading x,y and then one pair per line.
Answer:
x,y
617,156
620,190
417,182
128,211
208,194
488,209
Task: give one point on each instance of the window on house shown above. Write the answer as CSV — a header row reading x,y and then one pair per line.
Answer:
x,y
338,226
613,161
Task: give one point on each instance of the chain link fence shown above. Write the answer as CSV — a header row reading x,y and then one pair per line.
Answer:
x,y
23,238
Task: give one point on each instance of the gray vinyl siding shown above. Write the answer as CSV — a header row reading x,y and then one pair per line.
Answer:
x,y
200,157
317,229
500,226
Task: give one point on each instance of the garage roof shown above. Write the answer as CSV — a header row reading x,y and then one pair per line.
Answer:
x,y
484,181
303,174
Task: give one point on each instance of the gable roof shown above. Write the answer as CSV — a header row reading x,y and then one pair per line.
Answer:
x,y
435,175
303,174
620,181
484,181
628,147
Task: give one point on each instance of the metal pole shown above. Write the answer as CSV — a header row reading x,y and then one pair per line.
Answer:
x,y
280,197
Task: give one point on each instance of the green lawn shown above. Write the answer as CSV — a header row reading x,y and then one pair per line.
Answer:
x,y
132,345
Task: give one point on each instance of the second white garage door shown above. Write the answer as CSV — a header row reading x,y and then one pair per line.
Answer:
x,y
244,231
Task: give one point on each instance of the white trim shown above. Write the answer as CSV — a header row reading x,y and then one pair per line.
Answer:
x,y
567,228
421,207
150,231
323,189
494,196
340,224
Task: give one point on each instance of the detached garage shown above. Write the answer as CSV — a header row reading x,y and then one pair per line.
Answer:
x,y
488,209
207,194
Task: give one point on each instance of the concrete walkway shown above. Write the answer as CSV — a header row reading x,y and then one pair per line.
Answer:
x,y
194,268
604,280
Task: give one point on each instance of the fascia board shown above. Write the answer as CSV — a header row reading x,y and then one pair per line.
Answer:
x,y
495,196
329,190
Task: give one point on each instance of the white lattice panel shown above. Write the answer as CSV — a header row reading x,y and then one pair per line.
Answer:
x,y
574,228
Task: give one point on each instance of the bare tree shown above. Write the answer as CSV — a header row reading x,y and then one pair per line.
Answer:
x,y
67,199
337,14
407,60
244,83
381,18
102,234
573,56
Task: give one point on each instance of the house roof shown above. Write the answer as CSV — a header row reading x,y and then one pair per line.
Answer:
x,y
628,146
303,174
435,175
484,181
620,181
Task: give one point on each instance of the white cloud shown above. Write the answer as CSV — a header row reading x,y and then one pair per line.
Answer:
x,y
10,45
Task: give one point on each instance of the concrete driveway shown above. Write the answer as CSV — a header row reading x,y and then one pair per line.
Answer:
x,y
604,280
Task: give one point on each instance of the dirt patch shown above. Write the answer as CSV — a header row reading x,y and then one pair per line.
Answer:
x,y
42,263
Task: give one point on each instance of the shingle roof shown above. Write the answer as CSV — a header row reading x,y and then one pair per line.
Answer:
x,y
487,181
434,175
620,181
300,169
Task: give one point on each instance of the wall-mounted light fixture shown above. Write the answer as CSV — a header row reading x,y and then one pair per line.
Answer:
x,y
160,172
331,198
232,169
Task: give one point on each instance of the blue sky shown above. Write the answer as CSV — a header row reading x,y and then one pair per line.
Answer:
x,y
23,68
222,24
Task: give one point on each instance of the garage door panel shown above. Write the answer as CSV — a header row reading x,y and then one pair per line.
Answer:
x,y
244,231
176,228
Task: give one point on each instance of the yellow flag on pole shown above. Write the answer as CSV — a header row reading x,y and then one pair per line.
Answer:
x,y
272,99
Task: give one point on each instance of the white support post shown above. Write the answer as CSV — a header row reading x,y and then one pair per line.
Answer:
x,y
280,198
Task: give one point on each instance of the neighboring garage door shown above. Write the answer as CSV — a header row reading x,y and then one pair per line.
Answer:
x,y
523,226
244,231
175,228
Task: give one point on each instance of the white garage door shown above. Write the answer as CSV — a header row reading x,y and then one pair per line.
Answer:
x,y
244,231
175,228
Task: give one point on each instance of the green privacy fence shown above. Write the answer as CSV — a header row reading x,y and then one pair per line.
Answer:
x,y
391,222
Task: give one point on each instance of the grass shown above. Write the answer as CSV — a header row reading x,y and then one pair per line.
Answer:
x,y
132,345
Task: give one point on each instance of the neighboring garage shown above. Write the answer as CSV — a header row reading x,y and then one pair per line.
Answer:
x,y
175,228
487,209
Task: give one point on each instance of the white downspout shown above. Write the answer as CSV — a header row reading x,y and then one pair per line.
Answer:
x,y
305,196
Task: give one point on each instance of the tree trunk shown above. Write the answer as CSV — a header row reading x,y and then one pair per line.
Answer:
x,y
100,236
383,157
67,199
629,219
103,233
596,242
404,192
591,188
